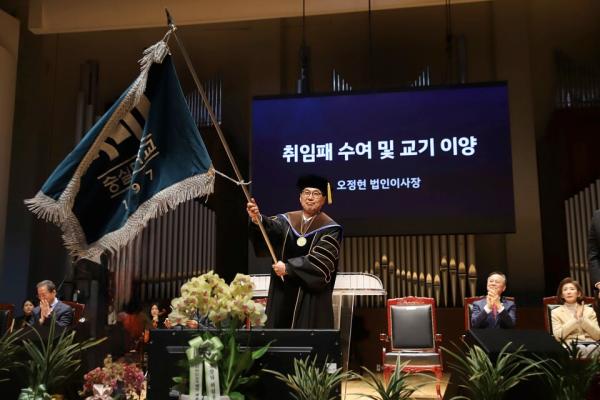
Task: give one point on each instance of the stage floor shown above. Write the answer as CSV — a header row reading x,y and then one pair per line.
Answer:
x,y
351,389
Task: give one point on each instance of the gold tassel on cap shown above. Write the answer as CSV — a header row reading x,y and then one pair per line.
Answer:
x,y
329,198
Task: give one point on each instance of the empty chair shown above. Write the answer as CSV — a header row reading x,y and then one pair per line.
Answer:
x,y
6,317
78,310
412,336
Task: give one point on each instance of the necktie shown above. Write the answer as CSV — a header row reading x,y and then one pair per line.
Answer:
x,y
494,311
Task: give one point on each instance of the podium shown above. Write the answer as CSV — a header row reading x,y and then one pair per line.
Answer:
x,y
533,341
348,285
167,347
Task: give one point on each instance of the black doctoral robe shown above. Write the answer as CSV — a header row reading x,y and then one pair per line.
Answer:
x,y
303,299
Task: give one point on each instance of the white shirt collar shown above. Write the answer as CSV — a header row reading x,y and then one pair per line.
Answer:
x,y
54,303
305,218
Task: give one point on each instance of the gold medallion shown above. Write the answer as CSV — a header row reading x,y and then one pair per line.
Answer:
x,y
301,241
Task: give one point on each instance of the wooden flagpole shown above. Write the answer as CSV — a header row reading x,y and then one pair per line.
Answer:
x,y
213,119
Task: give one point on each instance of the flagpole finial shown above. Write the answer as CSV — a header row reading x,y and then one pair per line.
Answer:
x,y
170,21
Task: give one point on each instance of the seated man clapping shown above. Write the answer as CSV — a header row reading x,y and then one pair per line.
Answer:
x,y
494,311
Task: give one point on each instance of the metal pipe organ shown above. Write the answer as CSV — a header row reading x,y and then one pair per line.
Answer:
x,y
170,250
214,93
578,86
339,84
423,78
87,98
578,211
438,266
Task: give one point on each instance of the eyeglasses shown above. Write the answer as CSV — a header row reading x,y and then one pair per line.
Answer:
x,y
314,193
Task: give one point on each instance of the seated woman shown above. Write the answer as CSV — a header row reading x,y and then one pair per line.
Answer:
x,y
157,316
27,317
133,320
574,322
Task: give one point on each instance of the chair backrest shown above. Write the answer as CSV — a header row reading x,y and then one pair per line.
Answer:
x,y
6,317
78,309
468,308
550,303
412,323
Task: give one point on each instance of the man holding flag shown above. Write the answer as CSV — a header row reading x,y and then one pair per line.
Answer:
x,y
309,244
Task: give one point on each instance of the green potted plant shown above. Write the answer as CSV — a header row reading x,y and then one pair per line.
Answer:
x,y
398,387
52,362
311,381
485,379
10,356
570,376
9,349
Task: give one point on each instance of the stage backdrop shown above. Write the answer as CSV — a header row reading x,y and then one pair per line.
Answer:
x,y
422,161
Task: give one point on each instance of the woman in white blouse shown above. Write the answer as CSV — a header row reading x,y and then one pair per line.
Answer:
x,y
573,321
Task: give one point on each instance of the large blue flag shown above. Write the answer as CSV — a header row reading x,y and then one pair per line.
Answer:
x,y
142,158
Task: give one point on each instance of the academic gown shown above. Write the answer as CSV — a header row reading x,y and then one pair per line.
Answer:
x,y
302,300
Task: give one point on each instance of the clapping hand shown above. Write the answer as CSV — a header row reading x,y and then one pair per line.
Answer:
x,y
44,310
579,313
493,300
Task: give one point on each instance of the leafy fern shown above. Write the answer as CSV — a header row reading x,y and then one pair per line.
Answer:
x,y
570,376
54,360
397,388
311,382
9,349
485,379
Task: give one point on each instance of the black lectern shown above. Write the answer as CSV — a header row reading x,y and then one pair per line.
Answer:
x,y
167,347
534,342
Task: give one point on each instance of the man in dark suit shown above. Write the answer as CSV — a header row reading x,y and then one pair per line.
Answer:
x,y
494,311
50,305
593,249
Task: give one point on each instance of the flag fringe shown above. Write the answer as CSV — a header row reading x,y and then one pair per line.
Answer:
x,y
153,54
46,208
167,199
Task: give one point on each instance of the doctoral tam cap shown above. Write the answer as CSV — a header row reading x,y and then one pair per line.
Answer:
x,y
317,182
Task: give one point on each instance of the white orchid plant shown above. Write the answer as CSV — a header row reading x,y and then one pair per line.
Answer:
x,y
209,295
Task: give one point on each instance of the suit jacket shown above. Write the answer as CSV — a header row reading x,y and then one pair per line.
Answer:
x,y
565,326
63,312
593,248
505,319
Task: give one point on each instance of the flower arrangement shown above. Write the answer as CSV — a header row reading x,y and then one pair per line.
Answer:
x,y
210,296
216,352
118,380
